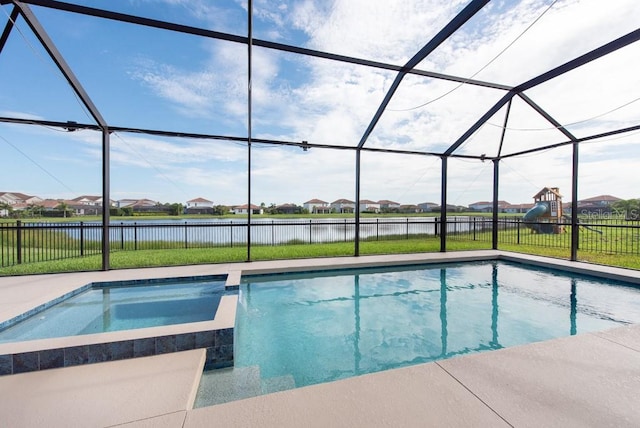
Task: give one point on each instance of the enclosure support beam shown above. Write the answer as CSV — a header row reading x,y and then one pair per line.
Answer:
x,y
227,138
106,201
578,140
574,204
7,29
493,110
548,117
73,81
603,50
504,127
443,206
494,225
249,124
453,25
60,62
185,29
357,207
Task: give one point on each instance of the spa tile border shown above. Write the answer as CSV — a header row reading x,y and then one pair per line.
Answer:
x,y
218,345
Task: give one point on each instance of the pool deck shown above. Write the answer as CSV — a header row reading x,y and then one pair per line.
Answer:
x,y
590,379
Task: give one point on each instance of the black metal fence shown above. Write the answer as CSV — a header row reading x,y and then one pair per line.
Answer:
x,y
604,235
34,242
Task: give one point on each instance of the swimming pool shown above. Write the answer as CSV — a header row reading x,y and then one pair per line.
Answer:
x,y
294,330
100,308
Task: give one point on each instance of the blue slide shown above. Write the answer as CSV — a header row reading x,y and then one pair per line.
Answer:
x,y
532,216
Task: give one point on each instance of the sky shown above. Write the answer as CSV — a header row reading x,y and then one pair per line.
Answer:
x,y
140,77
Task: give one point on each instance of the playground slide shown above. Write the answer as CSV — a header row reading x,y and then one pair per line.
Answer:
x,y
532,216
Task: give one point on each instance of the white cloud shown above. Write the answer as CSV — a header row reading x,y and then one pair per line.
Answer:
x,y
20,115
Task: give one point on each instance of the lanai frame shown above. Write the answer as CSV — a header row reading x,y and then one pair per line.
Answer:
x,y
21,9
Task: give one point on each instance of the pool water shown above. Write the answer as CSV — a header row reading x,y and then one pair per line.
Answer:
x,y
102,309
294,330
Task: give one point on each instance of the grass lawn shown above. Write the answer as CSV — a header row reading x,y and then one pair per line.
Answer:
x,y
178,257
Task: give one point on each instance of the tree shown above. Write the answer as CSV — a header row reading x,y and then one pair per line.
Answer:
x,y
64,207
176,209
5,209
630,208
34,210
220,210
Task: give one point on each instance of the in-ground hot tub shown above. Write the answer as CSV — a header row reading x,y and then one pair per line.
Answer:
x,y
117,320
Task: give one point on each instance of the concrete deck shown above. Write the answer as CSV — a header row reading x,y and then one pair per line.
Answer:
x,y
586,380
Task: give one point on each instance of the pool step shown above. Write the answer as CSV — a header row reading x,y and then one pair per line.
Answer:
x,y
275,384
230,384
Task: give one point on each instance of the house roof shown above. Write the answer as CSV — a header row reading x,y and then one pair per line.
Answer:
x,y
199,200
369,202
520,206
316,201
144,203
287,206
245,206
553,190
17,195
87,197
342,201
387,202
51,203
607,198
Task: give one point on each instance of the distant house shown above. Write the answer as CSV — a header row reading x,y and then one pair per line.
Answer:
x,y
20,199
482,206
596,205
89,200
51,204
409,209
199,203
199,206
317,206
517,208
140,205
288,209
387,205
369,206
451,208
602,201
87,205
427,207
244,209
343,206
487,207
122,203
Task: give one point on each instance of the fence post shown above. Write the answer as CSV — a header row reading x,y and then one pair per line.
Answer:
x,y
345,230
186,236
407,228
19,240
122,235
377,229
474,228
310,230
81,238
273,239
518,226
436,223
135,236
231,232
